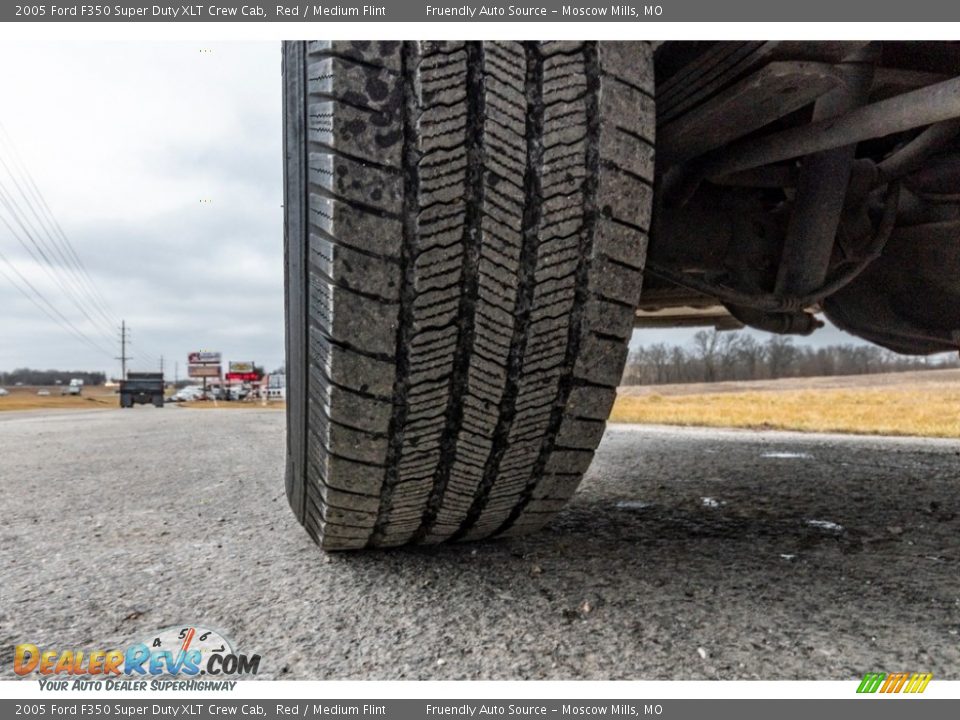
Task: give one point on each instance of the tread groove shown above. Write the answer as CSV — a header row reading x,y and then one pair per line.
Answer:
x,y
591,218
472,233
409,60
526,283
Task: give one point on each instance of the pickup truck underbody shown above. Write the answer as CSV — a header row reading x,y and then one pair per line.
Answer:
x,y
798,177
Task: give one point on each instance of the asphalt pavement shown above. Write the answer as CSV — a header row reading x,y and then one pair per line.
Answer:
x,y
687,554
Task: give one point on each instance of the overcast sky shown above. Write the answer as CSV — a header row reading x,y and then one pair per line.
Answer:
x,y
162,163
126,141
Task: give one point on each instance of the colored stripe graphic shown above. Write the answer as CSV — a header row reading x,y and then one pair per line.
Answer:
x,y
894,682
871,682
918,682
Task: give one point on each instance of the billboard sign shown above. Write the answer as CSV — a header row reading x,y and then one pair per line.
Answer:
x,y
197,358
241,367
243,377
203,371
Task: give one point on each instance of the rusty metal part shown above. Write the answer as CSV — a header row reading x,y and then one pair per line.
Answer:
x,y
925,106
727,62
768,176
822,188
871,252
695,238
724,293
938,179
779,323
772,303
715,316
866,174
665,305
909,300
890,81
702,77
659,294
912,155
772,92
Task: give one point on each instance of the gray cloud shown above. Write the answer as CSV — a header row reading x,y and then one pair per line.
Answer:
x,y
163,165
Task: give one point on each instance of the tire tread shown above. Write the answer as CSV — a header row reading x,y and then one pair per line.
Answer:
x,y
474,237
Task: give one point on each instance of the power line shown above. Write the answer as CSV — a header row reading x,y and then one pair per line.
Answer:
x,y
63,321
149,357
43,260
146,364
53,250
45,248
49,244
149,353
148,361
92,290
143,360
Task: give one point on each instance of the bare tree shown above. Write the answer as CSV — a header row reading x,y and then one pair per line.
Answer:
x,y
728,351
781,354
751,356
740,356
678,361
659,357
705,344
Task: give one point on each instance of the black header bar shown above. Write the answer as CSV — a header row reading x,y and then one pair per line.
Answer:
x,y
421,11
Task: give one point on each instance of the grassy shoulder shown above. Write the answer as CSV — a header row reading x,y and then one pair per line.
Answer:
x,y
916,409
26,398
101,398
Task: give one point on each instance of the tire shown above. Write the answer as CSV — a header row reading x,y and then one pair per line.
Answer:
x,y
466,226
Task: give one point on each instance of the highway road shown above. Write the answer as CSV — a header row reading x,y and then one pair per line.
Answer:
x,y
687,554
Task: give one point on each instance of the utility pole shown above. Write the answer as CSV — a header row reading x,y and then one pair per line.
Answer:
x,y
124,332
161,364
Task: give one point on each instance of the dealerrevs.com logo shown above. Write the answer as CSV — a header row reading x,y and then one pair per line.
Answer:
x,y
176,652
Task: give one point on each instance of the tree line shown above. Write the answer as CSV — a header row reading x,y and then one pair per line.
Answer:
x,y
713,356
29,376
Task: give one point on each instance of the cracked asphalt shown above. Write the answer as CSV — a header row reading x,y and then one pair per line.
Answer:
x,y
687,554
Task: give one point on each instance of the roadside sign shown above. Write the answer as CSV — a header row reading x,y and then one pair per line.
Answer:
x,y
196,358
243,377
241,367
203,371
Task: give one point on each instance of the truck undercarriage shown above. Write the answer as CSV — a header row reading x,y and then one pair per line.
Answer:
x,y
793,178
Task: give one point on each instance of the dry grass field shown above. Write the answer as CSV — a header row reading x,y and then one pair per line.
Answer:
x,y
923,403
94,398
26,398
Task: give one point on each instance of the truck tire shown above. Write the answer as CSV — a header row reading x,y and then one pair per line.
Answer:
x,y
466,226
